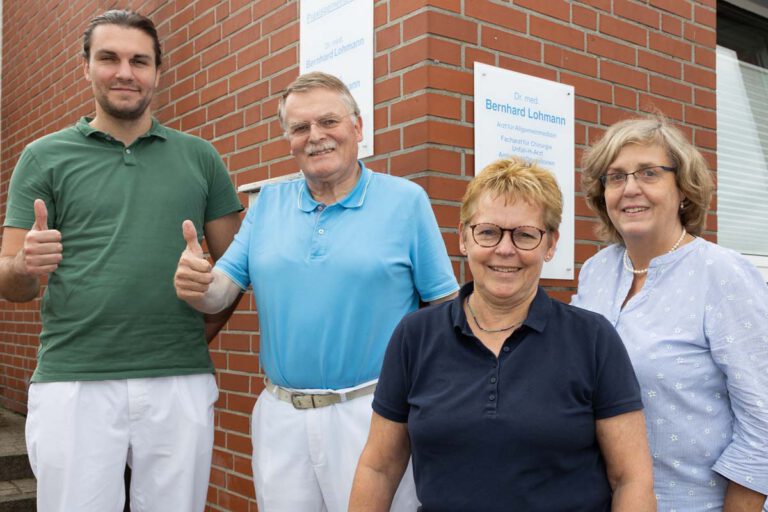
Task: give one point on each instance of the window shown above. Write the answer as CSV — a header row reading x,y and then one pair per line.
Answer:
x,y
742,129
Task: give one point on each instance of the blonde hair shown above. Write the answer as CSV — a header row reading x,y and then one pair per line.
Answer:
x,y
692,176
317,80
516,180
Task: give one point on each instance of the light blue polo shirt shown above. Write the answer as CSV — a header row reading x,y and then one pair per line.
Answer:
x,y
331,282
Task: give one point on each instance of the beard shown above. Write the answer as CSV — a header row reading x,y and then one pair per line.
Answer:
x,y
125,114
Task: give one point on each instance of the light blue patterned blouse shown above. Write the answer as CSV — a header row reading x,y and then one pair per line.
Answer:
x,y
697,334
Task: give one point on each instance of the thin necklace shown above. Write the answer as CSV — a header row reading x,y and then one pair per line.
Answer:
x,y
644,270
474,317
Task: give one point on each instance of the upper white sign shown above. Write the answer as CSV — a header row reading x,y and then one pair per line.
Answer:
x,y
336,37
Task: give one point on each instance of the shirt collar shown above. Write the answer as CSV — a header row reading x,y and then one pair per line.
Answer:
x,y
354,199
156,130
538,313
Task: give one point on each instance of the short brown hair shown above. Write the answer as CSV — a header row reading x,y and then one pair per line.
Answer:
x,y
317,80
516,180
127,19
692,176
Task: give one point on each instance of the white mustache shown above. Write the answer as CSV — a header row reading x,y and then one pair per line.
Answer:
x,y
316,148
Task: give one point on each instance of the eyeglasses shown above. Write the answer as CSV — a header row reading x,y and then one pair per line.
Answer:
x,y
325,123
526,238
646,176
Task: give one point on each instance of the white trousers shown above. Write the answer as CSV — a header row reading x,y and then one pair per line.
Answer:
x,y
305,460
81,434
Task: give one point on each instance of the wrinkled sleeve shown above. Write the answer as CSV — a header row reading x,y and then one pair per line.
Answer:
x,y
235,261
432,271
29,181
737,331
391,397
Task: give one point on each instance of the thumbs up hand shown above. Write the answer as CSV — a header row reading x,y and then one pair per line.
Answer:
x,y
42,249
193,273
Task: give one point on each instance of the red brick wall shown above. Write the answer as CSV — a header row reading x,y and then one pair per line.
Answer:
x,y
227,60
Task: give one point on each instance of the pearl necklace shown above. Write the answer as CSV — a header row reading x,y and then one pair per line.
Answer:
x,y
474,317
645,270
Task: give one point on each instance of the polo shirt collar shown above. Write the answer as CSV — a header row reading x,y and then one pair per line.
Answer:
x,y
354,199
156,130
538,313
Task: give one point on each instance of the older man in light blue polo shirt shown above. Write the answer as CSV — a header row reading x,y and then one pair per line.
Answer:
x,y
335,261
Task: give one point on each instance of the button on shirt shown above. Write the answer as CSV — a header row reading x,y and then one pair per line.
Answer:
x,y
697,334
513,432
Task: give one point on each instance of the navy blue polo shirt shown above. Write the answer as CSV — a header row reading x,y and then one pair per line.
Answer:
x,y
515,432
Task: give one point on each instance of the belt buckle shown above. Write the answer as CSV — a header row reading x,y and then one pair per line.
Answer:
x,y
302,401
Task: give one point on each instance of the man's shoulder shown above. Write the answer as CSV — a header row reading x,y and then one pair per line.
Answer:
x,y
176,136
52,140
395,183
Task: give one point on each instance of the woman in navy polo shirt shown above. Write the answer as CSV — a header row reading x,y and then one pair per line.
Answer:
x,y
505,398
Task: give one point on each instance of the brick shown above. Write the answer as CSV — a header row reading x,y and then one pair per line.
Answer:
x,y
440,24
659,64
437,105
527,68
556,32
670,89
387,142
706,99
233,382
387,38
680,8
559,9
623,30
573,61
671,25
610,49
409,55
503,15
279,18
472,55
671,109
509,43
670,46
287,36
703,77
610,115
445,52
399,8
583,16
703,36
706,139
279,61
585,111
637,12
624,75
236,22
587,87
386,90
705,16
626,98
700,117
705,57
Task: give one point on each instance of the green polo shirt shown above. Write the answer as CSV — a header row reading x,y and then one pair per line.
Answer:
x,y
110,310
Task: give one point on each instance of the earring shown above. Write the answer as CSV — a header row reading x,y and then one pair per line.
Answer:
x,y
682,205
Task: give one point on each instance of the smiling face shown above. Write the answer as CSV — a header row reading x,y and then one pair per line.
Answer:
x,y
645,213
326,150
505,275
122,72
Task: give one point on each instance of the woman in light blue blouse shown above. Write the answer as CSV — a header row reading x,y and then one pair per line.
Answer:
x,y
693,316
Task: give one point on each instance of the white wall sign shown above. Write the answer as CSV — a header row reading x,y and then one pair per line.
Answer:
x,y
533,118
336,36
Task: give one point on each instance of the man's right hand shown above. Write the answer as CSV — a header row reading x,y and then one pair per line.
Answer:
x,y
193,274
42,250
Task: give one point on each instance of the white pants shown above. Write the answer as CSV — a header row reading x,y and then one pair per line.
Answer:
x,y
305,460
81,434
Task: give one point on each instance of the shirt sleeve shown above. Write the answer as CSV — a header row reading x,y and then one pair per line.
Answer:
x,y
736,327
222,197
391,397
234,262
29,181
617,390
432,271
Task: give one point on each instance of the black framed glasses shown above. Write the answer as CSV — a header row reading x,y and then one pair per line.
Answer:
x,y
646,175
526,238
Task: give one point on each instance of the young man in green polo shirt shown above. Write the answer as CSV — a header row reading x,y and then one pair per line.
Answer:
x,y
123,371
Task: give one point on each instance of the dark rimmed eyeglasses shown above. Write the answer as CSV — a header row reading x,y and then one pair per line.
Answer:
x,y
647,176
526,238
